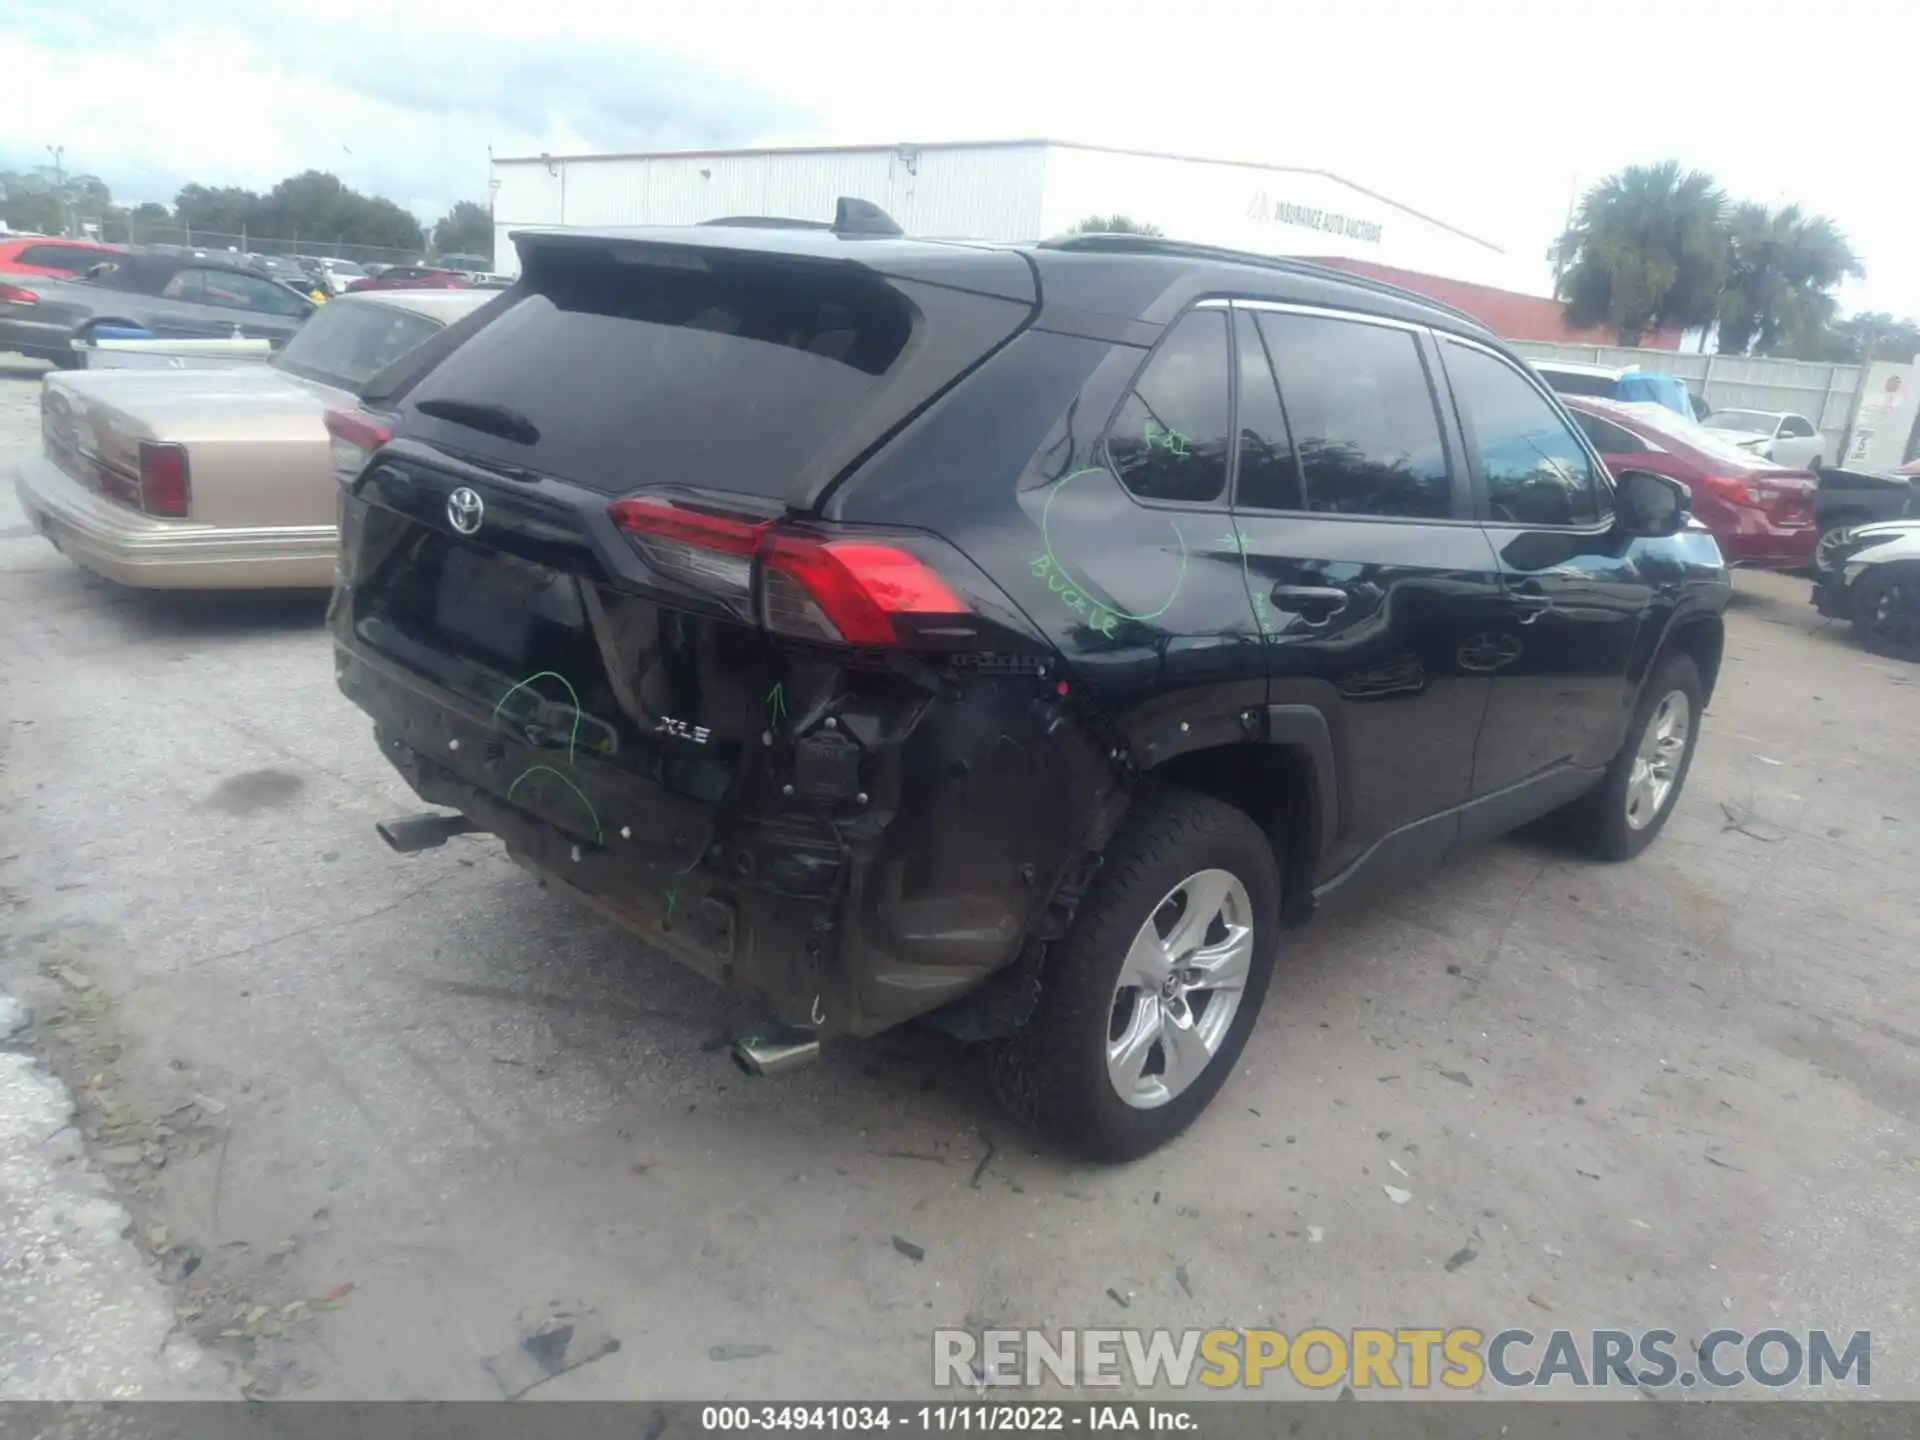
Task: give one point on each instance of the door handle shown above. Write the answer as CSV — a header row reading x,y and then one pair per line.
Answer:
x,y
1314,604
1531,601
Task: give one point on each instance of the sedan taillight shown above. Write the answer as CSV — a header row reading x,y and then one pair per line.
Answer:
x,y
17,294
353,436
166,488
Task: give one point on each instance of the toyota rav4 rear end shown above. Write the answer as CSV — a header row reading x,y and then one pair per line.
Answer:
x,y
587,596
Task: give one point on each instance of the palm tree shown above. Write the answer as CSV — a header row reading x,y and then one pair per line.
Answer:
x,y
1647,250
1115,224
1781,272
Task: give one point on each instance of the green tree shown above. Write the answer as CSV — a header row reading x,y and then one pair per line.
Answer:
x,y
466,229
31,201
39,201
1782,270
1873,335
1115,224
313,210
226,210
318,205
1647,250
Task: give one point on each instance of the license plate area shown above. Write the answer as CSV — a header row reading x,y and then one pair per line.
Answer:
x,y
487,604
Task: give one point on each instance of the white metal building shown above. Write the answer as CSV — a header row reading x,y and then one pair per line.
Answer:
x,y
1000,190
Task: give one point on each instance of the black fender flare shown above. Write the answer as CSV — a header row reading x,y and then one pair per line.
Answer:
x,y
1212,716
1305,728
1691,611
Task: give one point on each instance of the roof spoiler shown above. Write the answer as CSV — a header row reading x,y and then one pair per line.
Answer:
x,y
853,218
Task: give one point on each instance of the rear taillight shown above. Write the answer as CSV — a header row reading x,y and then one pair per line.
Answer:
x,y
846,590
17,294
841,591
696,547
1737,490
166,488
353,436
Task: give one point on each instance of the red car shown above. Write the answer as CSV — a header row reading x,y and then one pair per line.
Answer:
x,y
48,255
412,277
1760,514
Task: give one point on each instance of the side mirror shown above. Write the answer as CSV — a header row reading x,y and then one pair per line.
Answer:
x,y
1648,506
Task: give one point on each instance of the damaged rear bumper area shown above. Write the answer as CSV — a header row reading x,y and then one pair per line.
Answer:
x,y
628,847
846,923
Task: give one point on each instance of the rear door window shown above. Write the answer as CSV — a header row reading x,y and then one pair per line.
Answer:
x,y
187,286
1170,440
1362,415
346,345
637,372
1611,439
1535,469
73,259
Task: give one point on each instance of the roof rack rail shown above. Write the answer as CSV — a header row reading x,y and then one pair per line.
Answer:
x,y
1186,249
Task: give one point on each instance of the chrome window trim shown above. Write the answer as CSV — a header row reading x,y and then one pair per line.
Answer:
x,y
1325,312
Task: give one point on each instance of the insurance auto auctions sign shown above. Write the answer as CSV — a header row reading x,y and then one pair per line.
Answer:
x,y
1268,210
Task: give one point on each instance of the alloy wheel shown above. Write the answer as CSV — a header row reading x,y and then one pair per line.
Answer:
x,y
1179,988
1656,765
1826,554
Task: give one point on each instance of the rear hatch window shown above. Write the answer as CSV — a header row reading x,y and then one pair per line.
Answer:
x,y
622,370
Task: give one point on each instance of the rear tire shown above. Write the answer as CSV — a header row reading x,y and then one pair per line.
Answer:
x,y
1176,853
1886,610
1622,815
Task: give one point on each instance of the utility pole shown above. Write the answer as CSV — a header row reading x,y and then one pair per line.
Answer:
x,y
60,184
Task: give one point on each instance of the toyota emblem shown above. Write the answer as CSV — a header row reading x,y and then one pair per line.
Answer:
x,y
465,510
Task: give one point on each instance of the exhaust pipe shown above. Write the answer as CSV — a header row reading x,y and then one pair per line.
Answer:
x,y
775,1050
423,832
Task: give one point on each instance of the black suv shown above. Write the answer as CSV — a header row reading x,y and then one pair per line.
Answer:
x,y
1018,637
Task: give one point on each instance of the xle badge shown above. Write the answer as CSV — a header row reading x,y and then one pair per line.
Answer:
x,y
681,730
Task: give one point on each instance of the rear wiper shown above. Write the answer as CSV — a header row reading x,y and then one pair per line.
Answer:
x,y
480,415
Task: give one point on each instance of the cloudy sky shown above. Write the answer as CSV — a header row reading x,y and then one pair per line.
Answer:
x,y
1486,113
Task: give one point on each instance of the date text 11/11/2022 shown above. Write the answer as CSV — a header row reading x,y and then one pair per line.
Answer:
x,y
948,1419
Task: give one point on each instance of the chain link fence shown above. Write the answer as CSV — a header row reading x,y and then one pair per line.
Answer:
x,y
121,232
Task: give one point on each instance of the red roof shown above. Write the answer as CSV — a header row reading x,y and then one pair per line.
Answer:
x,y
1507,313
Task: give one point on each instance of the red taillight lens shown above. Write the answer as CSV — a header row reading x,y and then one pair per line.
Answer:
x,y
354,435
1730,488
839,591
18,294
713,552
165,487
847,590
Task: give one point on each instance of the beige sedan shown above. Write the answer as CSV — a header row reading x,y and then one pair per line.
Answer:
x,y
217,479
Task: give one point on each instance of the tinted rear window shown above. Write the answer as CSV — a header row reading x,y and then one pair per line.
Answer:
x,y
651,374
346,345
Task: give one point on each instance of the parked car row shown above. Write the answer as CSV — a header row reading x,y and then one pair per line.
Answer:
x,y
858,622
